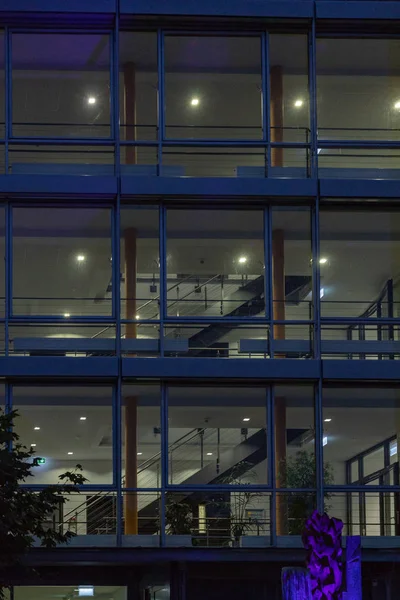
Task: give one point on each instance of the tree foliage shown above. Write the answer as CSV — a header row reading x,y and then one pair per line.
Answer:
x,y
24,513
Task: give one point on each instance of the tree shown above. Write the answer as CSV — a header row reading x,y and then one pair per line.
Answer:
x,y
23,511
298,472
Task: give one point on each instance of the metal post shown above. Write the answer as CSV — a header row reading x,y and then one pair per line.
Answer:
x,y
319,455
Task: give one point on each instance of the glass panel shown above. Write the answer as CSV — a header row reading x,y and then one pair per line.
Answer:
x,y
70,591
358,163
293,509
356,420
213,87
138,85
141,434
357,87
2,262
140,266
214,519
62,261
147,506
67,426
289,109
360,251
217,435
61,85
215,263
2,92
39,159
292,265
180,161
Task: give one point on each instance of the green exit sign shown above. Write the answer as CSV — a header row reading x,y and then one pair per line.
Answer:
x,y
39,461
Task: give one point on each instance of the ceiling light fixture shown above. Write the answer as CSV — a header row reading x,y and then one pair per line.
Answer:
x,y
327,420
67,315
82,418
397,105
246,419
323,261
86,590
70,453
321,293
33,445
137,317
91,100
37,428
195,102
81,258
139,453
324,440
242,260
209,453
299,103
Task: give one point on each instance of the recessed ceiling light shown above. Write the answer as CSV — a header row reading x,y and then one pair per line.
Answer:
x,y
299,103
37,428
209,453
33,445
327,420
323,261
70,453
67,315
86,590
246,419
139,453
397,105
81,258
137,317
91,100
82,418
195,102
242,260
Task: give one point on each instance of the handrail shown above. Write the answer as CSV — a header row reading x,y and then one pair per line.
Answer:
x,y
194,290
148,463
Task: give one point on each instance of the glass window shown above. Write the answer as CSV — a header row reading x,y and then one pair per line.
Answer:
x,y
70,591
213,87
66,426
358,423
215,263
138,86
294,428
358,89
62,261
2,97
289,108
291,268
217,435
140,266
360,254
61,85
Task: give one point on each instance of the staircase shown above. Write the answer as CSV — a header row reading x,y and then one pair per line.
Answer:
x,y
188,464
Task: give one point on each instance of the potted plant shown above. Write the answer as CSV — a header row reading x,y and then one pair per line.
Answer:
x,y
179,521
298,471
237,505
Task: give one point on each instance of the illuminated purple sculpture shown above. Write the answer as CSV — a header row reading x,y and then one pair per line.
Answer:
x,y
322,538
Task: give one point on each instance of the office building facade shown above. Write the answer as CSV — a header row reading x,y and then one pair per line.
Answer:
x,y
199,297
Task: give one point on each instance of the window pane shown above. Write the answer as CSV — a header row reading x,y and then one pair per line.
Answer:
x,y
361,421
213,87
361,251
61,85
357,86
215,263
140,267
62,261
2,97
66,426
291,267
138,84
289,109
217,435
70,591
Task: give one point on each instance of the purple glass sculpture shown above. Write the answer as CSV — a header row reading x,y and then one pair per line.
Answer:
x,y
322,538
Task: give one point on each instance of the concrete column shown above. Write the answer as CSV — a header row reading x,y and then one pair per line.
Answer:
x,y
131,500
276,114
278,295
130,111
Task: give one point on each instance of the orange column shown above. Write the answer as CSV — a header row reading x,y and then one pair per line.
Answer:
x,y
278,294
276,114
130,111
131,499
